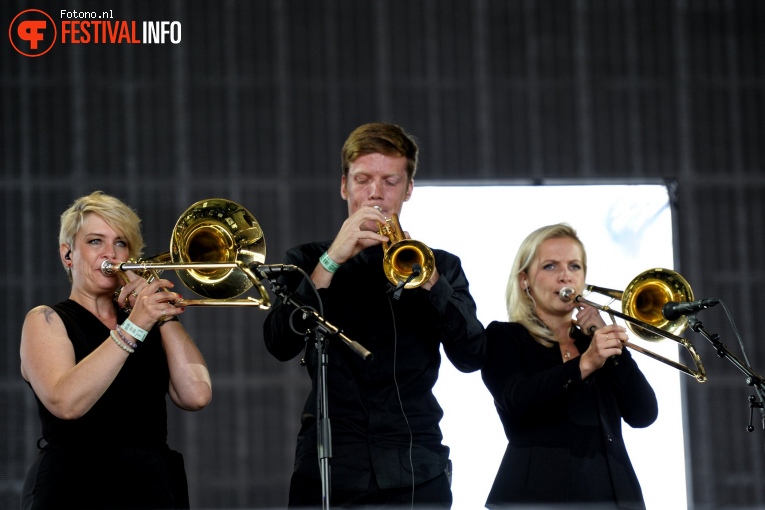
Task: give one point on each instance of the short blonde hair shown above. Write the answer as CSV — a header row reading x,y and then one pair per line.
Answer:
x,y
115,213
520,306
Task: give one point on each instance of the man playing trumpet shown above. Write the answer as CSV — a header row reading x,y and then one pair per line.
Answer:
x,y
386,440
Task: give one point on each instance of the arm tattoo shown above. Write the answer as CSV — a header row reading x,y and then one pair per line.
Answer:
x,y
48,312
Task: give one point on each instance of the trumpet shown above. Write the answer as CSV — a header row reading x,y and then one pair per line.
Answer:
x,y
212,246
642,302
404,257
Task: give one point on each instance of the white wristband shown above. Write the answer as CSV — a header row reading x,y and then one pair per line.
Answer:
x,y
328,264
133,330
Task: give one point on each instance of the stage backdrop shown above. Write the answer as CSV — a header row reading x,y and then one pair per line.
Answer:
x,y
628,223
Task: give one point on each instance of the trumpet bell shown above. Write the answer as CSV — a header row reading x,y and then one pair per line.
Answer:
x,y
645,296
400,255
400,259
217,230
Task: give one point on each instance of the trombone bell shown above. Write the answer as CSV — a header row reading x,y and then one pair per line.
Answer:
x,y
217,230
642,303
646,295
213,246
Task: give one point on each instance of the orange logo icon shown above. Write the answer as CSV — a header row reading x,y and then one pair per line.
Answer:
x,y
32,33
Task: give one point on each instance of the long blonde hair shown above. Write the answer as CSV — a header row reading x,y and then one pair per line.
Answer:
x,y
521,307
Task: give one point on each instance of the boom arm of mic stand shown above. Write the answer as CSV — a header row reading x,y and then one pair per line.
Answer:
x,y
752,379
329,329
332,331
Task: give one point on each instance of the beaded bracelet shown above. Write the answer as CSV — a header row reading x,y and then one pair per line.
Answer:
x,y
117,341
169,319
327,263
125,339
134,331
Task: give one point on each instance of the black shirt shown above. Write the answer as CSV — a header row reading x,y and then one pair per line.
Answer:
x,y
115,456
373,405
565,442
135,399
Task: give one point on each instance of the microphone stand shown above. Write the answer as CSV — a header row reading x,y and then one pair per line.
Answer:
x,y
752,379
323,331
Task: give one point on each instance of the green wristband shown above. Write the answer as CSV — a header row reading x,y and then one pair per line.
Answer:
x,y
134,331
328,264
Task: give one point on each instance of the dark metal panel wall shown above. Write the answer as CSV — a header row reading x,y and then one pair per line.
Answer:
x,y
254,105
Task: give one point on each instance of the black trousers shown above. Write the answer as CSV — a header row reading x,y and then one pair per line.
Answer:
x,y
129,478
435,493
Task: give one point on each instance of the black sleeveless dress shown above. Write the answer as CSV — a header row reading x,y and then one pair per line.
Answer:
x,y
116,455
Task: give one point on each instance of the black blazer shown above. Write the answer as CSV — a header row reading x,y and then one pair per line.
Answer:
x,y
564,434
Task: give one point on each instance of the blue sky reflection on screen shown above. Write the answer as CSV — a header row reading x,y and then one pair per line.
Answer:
x,y
626,230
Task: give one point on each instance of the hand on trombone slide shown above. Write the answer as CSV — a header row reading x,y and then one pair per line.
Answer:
x,y
588,319
148,303
606,343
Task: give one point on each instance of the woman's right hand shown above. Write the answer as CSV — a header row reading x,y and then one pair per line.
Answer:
x,y
607,342
151,303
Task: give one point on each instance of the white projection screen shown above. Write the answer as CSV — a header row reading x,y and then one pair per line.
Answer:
x,y
626,229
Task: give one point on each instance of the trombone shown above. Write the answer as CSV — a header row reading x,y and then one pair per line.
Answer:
x,y
213,244
643,300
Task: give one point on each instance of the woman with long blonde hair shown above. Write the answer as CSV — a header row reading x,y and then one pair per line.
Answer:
x,y
561,392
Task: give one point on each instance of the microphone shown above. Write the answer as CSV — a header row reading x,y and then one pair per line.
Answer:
x,y
674,310
269,270
416,271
